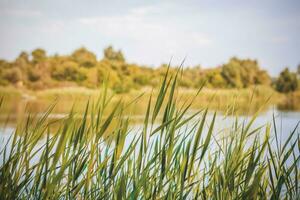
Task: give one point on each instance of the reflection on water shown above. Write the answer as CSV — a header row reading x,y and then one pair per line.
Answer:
x,y
15,111
18,111
285,123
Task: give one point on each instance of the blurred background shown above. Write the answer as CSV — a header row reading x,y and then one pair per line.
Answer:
x,y
64,50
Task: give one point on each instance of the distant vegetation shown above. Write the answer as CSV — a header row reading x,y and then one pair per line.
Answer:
x,y
287,81
38,70
101,156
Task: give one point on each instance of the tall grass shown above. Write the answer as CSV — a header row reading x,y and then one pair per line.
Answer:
x,y
176,156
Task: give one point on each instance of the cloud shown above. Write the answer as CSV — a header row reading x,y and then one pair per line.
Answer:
x,y
144,10
21,13
201,39
279,39
53,26
143,25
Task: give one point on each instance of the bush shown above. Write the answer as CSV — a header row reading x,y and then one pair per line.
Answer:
x,y
105,72
34,75
76,68
123,86
68,71
12,75
84,58
38,55
263,78
287,81
231,73
240,73
111,54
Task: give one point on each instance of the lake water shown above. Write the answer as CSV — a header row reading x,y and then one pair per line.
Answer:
x,y
286,121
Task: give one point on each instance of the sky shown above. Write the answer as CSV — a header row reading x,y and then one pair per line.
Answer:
x,y
206,33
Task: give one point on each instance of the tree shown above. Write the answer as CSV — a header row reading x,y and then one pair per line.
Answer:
x,y
111,54
68,71
24,57
22,61
34,75
231,72
243,73
4,64
105,72
84,57
263,78
13,75
38,55
286,82
82,67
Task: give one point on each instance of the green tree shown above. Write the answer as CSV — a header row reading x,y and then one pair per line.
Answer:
x,y
286,82
4,64
214,78
34,75
13,75
84,57
240,73
124,85
24,57
38,55
111,54
263,78
22,62
231,72
68,71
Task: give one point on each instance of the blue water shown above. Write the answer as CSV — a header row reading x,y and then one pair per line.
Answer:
x,y
285,124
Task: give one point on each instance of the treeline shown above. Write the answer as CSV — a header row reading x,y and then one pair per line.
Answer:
x,y
37,71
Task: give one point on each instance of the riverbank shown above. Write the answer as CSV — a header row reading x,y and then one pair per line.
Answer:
x,y
184,152
241,100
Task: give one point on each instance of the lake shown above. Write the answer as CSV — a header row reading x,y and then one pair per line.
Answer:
x,y
286,121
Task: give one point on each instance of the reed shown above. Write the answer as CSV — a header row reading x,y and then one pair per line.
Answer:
x,y
176,156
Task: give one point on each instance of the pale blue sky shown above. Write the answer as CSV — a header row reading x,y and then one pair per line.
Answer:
x,y
151,32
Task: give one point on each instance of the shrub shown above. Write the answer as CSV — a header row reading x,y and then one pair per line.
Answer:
x,y
240,73
84,58
34,75
105,72
68,71
287,81
12,75
38,55
111,54
123,86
